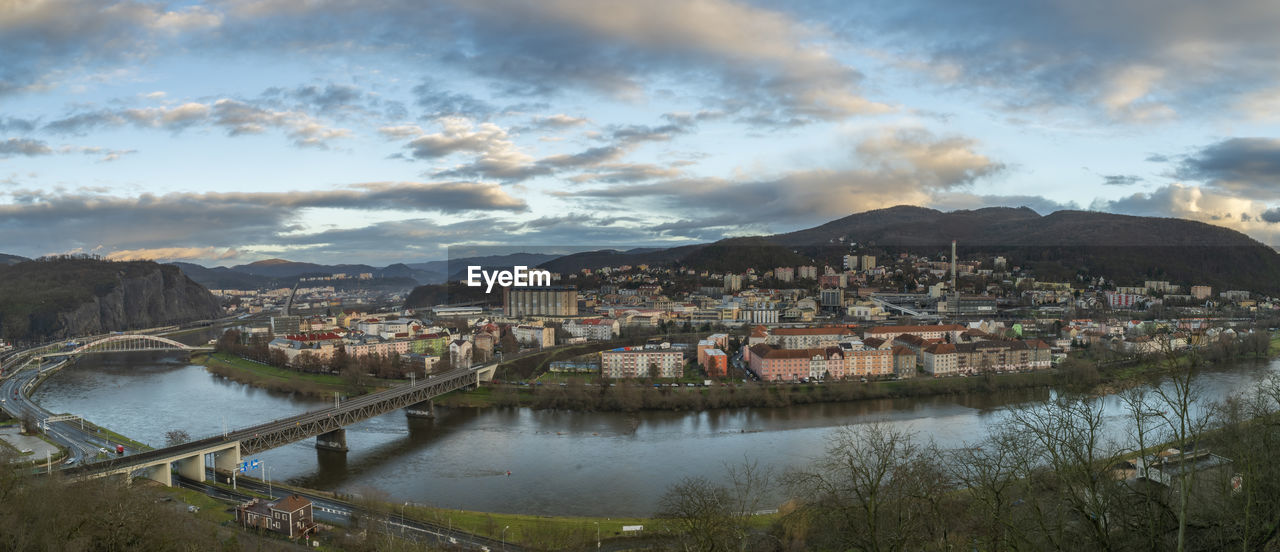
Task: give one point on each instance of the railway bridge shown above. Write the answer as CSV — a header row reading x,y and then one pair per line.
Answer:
x,y
326,425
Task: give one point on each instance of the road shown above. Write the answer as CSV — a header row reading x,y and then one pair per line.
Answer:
x,y
334,511
81,444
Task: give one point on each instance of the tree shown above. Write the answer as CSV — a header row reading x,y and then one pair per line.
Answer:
x,y
869,491
708,516
277,358
176,437
509,344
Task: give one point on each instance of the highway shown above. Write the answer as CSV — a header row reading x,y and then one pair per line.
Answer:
x,y
82,444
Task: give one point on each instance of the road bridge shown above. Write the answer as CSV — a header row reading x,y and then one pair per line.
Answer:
x,y
126,343
326,425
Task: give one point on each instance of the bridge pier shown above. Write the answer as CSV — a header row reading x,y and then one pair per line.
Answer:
x,y
192,467
424,409
161,474
335,440
227,460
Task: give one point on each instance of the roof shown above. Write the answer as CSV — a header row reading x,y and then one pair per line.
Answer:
x,y
321,336
901,351
910,339
905,329
941,349
291,503
715,352
773,353
873,342
813,331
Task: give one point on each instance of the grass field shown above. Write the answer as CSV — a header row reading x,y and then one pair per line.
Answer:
x,y
554,531
279,379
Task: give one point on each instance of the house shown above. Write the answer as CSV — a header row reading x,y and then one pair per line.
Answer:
x,y
460,351
593,329
291,516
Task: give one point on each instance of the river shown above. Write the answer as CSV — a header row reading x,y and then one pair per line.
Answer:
x,y
561,463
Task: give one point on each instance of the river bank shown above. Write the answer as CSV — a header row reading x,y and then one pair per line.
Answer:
x,y
271,378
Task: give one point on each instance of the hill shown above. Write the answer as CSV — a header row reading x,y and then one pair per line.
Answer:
x,y
1127,249
11,259
1061,245
52,299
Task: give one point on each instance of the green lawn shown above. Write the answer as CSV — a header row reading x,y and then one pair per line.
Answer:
x,y
262,375
211,509
267,371
560,531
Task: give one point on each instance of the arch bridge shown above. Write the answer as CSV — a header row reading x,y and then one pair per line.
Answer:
x,y
128,343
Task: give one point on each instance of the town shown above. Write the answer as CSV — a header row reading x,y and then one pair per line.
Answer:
x,y
873,317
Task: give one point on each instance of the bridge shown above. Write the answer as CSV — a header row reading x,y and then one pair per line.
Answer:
x,y
127,343
326,425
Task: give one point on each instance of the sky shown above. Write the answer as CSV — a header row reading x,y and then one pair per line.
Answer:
x,y
348,131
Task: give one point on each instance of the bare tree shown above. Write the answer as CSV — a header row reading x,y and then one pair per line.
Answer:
x,y
707,516
866,491
176,437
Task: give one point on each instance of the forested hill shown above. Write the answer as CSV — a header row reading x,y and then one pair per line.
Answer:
x,y
56,298
1059,246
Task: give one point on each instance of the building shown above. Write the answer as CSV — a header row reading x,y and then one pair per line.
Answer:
x,y
850,262
770,363
940,359
291,516
461,352
318,346
831,298
947,359
759,316
805,338
716,363
283,325
732,283
867,262
540,301
640,362
1201,292
784,274
807,272
429,344
944,332
1122,300
593,328
538,336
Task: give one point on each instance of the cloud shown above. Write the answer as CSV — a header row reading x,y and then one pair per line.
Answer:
x,y
1120,179
1243,166
1134,61
559,121
23,146
770,65
459,135
41,40
959,200
1193,203
893,167
14,124
401,131
235,116
173,254
437,101
64,221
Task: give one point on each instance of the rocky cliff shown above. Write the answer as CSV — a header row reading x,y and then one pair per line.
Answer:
x,y
71,297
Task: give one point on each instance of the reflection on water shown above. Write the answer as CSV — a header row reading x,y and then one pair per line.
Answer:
x,y
560,462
